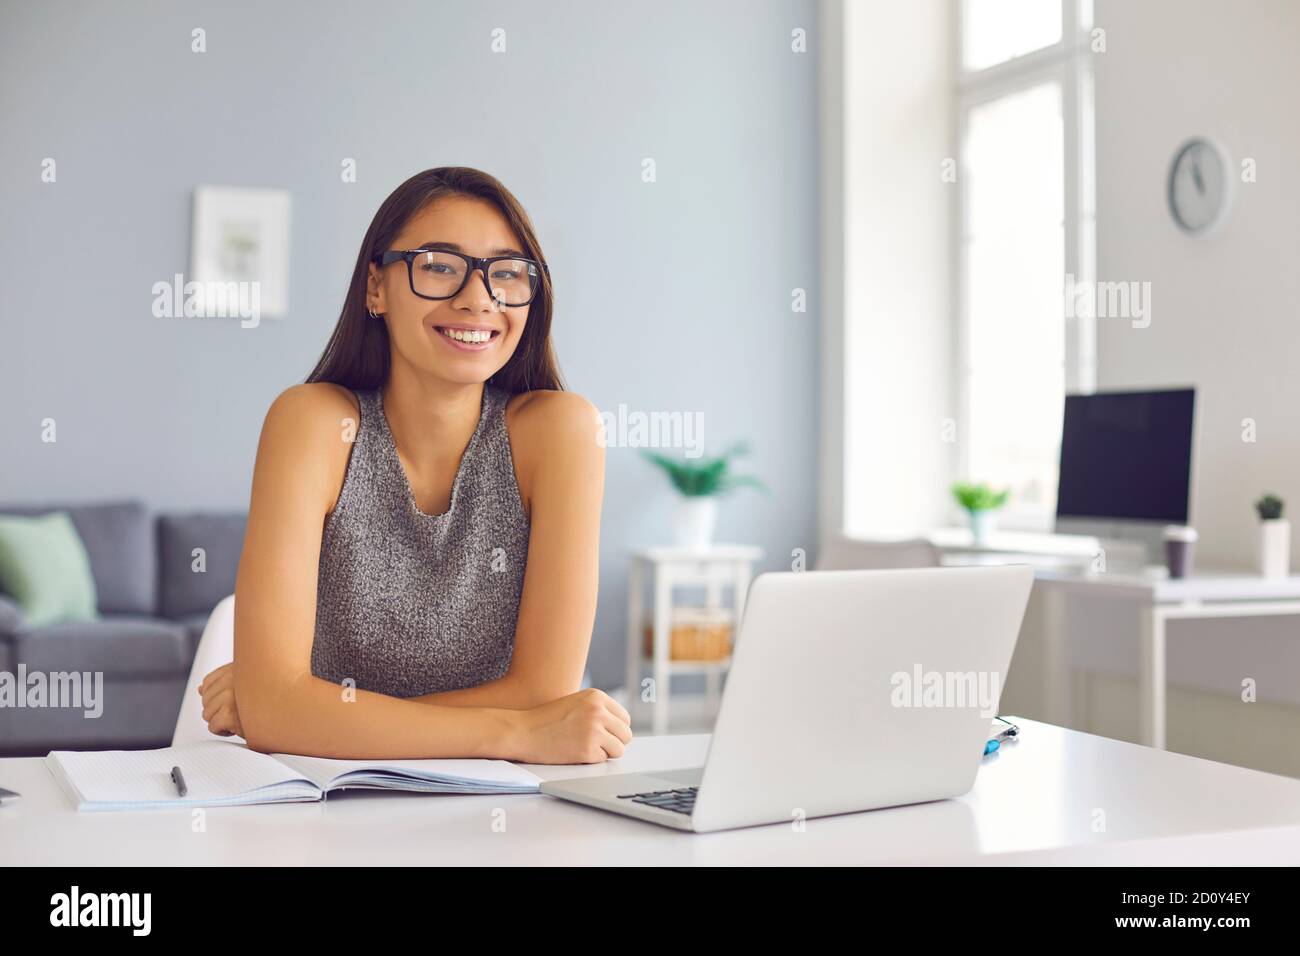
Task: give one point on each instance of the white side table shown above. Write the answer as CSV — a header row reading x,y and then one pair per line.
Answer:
x,y
669,567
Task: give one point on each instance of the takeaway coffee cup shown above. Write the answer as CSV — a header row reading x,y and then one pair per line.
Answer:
x,y
1180,541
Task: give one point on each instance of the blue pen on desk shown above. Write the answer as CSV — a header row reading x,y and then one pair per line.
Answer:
x,y
993,745
178,778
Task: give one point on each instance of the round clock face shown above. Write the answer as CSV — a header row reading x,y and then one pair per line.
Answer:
x,y
1198,186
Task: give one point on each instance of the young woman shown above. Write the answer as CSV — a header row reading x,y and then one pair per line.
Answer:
x,y
419,573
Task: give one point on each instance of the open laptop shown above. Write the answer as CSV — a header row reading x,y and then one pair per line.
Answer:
x,y
848,691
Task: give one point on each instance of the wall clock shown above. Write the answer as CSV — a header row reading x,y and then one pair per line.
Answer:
x,y
1200,186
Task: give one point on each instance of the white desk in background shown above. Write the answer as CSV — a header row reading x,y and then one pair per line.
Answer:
x,y
1054,796
1157,601
1063,566
958,546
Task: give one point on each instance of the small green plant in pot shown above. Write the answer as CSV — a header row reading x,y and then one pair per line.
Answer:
x,y
980,502
1274,537
700,482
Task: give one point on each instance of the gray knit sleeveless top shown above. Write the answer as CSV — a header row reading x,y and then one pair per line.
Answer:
x,y
410,603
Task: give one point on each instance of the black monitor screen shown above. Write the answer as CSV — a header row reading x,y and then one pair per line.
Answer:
x,y
1126,456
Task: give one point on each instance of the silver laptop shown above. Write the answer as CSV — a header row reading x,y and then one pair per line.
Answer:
x,y
848,691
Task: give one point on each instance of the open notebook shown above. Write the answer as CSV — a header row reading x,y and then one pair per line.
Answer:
x,y
226,774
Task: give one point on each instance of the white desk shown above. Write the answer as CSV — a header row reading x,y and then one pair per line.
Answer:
x,y
1065,565
959,543
1041,800
1157,601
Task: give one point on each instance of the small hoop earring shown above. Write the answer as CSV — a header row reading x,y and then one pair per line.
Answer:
x,y
373,315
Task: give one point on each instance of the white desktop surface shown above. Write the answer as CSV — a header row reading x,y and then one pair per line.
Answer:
x,y
1037,801
1048,544
1209,585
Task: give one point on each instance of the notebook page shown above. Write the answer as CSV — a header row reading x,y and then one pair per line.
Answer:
x,y
476,773
212,770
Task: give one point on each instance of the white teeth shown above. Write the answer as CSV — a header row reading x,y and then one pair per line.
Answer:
x,y
467,335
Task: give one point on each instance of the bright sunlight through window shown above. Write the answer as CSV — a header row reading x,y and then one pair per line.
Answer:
x,y
1026,223
1015,249
998,30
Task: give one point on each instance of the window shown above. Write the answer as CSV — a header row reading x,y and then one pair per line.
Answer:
x,y
1025,109
995,31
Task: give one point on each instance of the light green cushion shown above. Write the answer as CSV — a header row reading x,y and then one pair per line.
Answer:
x,y
44,566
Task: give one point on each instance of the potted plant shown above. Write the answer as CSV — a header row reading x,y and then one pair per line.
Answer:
x,y
979,501
1274,538
699,483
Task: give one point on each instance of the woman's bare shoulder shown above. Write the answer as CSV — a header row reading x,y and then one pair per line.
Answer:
x,y
309,431
314,403
542,417
548,424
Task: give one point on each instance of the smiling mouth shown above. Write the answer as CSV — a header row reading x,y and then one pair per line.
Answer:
x,y
468,337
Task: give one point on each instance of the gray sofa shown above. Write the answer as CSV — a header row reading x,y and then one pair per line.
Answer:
x,y
153,603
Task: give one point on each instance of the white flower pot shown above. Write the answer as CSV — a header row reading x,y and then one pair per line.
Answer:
x,y
693,521
982,524
1275,548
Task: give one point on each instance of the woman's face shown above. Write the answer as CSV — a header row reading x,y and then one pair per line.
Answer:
x,y
418,328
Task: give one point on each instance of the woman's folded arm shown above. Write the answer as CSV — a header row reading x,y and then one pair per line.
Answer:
x,y
308,715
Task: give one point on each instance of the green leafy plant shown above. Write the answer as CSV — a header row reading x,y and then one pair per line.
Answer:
x,y
1269,507
979,497
700,477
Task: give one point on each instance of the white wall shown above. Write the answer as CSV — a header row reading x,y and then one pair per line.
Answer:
x,y
1225,310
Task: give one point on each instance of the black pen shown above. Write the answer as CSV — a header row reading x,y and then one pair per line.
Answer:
x,y
179,779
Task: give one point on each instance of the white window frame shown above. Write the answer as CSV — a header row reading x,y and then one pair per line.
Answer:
x,y
1069,63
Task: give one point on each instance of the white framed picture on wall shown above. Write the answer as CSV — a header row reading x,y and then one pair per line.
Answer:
x,y
239,254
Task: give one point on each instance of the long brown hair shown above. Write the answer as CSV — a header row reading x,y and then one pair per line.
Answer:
x,y
357,354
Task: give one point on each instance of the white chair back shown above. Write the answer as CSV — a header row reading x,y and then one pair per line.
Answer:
x,y
216,647
859,554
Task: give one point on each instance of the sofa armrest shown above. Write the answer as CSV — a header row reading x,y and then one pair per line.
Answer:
x,y
12,619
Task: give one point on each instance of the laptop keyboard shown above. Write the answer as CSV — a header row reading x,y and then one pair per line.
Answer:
x,y
679,801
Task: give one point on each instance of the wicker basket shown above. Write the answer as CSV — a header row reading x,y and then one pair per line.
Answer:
x,y
698,634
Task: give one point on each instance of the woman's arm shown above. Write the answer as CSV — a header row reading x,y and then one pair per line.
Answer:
x,y
561,465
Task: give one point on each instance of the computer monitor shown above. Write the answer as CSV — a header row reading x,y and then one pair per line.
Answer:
x,y
1126,464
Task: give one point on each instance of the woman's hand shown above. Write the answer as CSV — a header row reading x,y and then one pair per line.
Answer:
x,y
219,710
586,727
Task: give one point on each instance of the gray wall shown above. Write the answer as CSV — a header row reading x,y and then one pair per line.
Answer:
x,y
169,409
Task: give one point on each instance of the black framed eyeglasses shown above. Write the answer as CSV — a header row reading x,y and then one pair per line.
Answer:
x,y
442,274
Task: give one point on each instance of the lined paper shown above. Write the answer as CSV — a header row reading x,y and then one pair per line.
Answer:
x,y
214,771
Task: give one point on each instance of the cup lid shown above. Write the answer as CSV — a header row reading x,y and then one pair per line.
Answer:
x,y
1180,532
